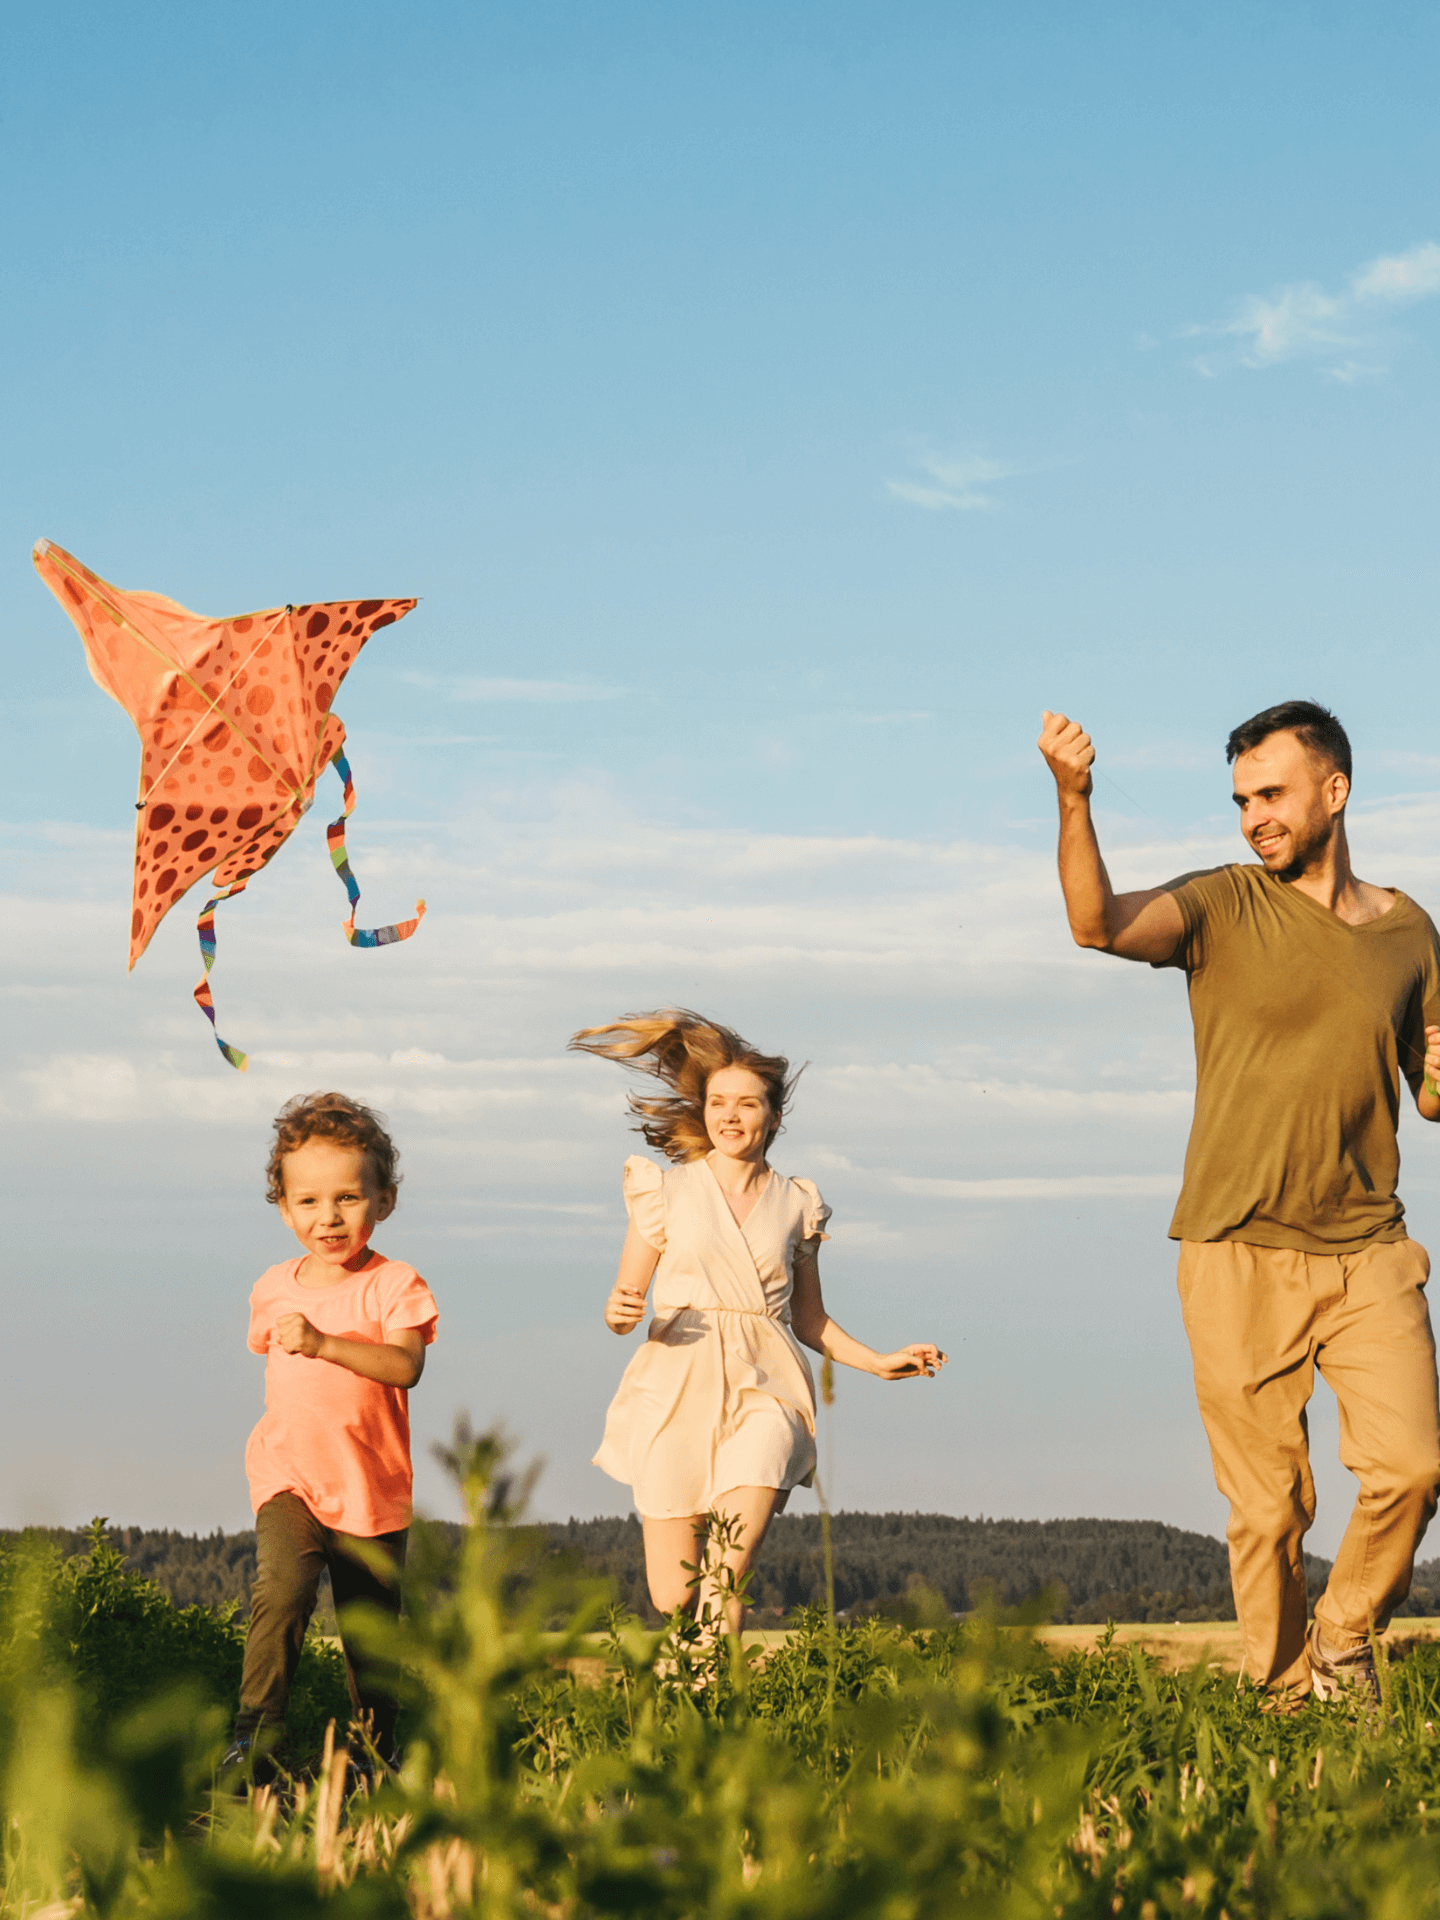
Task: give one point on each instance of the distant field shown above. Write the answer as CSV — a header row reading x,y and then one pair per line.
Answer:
x,y
1217,1642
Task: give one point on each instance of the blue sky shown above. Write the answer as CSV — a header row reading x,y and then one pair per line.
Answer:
x,y
774,408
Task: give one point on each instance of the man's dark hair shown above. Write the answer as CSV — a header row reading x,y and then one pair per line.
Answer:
x,y
1314,726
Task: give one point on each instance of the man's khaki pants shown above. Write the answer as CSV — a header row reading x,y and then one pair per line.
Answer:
x,y
1260,1320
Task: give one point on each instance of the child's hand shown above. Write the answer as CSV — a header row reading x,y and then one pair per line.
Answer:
x,y
296,1335
910,1363
625,1309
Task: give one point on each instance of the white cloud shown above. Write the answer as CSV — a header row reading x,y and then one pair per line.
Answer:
x,y
1397,277
1081,1186
957,483
1304,322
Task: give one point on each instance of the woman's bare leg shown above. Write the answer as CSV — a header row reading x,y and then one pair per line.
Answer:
x,y
752,1508
668,1545
671,1544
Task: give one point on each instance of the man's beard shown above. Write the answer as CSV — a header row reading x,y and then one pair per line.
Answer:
x,y
1315,841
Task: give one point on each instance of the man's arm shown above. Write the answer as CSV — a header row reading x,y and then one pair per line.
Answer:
x,y
1147,925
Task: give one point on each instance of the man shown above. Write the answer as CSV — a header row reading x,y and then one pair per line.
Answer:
x,y
1311,993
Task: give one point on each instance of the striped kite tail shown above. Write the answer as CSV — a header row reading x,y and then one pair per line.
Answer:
x,y
205,927
335,839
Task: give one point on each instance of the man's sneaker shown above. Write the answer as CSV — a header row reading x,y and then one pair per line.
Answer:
x,y
247,1764
1336,1675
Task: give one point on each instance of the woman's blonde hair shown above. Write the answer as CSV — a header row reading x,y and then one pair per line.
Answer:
x,y
684,1050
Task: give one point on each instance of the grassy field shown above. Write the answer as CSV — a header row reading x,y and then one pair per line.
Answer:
x,y
831,1773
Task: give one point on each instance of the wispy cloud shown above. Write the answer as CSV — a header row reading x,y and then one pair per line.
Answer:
x,y
1302,321
543,691
1077,1186
959,482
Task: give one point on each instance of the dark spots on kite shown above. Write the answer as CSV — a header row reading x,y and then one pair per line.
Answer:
x,y
160,817
346,655
324,694
166,881
345,626
186,756
193,840
259,700
217,737
205,856
262,652
137,920
367,607
226,776
385,620
250,817
161,851
210,690
193,813
219,814
317,623
243,626
259,769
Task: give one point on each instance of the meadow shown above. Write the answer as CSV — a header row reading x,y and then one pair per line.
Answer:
x,y
563,1760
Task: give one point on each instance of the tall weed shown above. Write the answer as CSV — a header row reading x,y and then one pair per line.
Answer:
x,y
599,1769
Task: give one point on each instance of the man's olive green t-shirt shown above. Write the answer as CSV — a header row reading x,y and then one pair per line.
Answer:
x,y
1303,1027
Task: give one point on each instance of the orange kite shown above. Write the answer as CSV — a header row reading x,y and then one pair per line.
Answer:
x,y
235,729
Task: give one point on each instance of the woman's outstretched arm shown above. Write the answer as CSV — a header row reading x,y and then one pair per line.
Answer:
x,y
815,1329
625,1308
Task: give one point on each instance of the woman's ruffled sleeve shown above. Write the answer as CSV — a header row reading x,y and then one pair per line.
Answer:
x,y
816,1211
644,1201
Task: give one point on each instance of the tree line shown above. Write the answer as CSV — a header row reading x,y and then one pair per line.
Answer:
x,y
905,1565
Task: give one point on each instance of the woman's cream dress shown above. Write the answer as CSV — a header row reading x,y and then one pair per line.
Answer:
x,y
720,1395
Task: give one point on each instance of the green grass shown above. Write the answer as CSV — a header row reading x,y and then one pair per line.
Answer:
x,y
845,1773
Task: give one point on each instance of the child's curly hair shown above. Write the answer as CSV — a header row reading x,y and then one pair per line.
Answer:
x,y
682,1050
331,1116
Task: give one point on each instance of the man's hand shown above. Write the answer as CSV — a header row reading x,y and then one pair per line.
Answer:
x,y
1431,1087
296,1335
625,1309
1069,753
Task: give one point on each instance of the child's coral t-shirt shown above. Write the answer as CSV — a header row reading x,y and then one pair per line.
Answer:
x,y
339,1441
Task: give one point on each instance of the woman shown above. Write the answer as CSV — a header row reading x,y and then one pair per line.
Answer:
x,y
717,1410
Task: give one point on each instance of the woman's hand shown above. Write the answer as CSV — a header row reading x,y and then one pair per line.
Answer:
x,y
909,1363
625,1308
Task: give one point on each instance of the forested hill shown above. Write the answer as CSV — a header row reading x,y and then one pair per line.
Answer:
x,y
901,1563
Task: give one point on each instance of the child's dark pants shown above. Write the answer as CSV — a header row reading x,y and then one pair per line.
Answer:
x,y
293,1549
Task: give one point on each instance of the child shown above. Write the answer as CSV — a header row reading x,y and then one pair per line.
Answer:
x,y
344,1333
